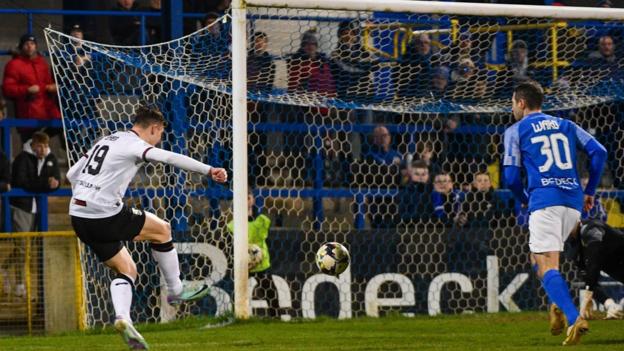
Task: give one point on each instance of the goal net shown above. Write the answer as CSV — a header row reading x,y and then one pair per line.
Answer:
x,y
380,130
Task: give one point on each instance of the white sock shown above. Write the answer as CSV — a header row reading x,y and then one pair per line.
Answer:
x,y
169,266
121,293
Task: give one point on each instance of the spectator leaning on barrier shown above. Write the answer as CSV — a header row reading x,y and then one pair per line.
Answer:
x,y
35,169
28,82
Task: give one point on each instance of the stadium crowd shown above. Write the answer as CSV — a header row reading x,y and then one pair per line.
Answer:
x,y
446,174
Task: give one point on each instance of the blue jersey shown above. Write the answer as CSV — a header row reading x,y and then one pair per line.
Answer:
x,y
546,147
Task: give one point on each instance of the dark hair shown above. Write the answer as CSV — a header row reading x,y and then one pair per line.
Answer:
x,y
41,138
531,92
145,116
346,26
421,146
260,35
210,15
420,164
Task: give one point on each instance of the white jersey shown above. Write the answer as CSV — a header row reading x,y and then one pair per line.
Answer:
x,y
101,177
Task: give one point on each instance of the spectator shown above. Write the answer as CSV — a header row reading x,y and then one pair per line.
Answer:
x,y
35,169
518,62
219,7
466,152
337,159
426,153
467,82
605,53
257,234
462,49
481,204
351,65
415,69
28,81
260,65
309,70
469,242
154,24
125,30
446,200
215,43
439,81
381,151
415,197
80,56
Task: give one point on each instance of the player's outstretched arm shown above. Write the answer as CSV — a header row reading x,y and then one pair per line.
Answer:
x,y
159,155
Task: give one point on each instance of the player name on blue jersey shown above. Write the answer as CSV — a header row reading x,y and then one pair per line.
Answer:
x,y
544,125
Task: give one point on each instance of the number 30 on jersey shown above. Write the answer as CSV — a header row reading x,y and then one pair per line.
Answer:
x,y
551,147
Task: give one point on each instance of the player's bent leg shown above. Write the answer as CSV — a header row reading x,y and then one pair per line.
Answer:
x,y
155,230
123,263
122,288
158,233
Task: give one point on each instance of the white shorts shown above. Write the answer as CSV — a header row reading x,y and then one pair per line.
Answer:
x,y
550,227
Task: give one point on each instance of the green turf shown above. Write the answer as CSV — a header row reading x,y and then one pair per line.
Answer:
x,y
509,331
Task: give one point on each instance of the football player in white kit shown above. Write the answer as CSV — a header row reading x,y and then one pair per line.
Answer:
x,y
102,221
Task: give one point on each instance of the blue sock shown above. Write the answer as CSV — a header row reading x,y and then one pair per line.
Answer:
x,y
536,270
557,289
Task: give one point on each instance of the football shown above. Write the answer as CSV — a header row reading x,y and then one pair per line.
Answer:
x,y
255,256
332,258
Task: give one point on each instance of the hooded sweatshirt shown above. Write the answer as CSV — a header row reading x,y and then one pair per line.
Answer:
x,y
31,174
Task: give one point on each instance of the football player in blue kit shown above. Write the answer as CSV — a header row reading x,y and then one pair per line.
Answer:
x,y
545,147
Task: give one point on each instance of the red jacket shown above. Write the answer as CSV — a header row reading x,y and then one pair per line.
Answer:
x,y
22,72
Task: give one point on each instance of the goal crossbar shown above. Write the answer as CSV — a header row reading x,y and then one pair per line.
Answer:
x,y
449,8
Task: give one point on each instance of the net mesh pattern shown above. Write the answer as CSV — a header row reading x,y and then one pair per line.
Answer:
x,y
382,131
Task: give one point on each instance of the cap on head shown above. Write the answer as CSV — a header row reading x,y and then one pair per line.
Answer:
x,y
25,38
76,29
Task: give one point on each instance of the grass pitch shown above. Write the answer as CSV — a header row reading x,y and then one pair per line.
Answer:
x,y
508,331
